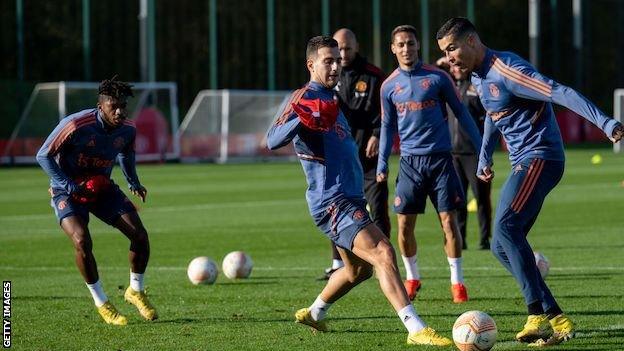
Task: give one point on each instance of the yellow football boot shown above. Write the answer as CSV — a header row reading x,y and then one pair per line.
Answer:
x,y
110,314
304,316
563,330
140,301
428,336
536,327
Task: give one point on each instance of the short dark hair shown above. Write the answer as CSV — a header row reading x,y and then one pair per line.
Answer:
x,y
320,41
403,28
115,88
457,27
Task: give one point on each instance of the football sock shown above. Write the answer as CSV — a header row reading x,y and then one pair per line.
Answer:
x,y
535,308
410,319
136,281
553,312
337,264
411,267
99,297
319,309
457,273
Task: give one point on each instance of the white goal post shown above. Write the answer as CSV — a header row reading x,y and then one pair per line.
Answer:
x,y
230,125
154,109
618,114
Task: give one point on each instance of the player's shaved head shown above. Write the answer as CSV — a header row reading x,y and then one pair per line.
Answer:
x,y
348,45
345,34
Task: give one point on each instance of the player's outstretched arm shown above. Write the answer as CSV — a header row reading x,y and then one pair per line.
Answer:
x,y
523,81
618,133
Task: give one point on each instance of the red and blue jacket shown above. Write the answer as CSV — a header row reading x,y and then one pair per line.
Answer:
x,y
518,101
329,159
81,147
414,104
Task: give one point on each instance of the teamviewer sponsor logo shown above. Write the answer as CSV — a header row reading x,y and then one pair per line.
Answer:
x,y
6,314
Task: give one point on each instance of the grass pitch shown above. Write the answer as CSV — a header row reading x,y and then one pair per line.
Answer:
x,y
195,210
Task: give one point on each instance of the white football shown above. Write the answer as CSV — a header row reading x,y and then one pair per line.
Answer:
x,y
202,270
474,331
237,265
543,264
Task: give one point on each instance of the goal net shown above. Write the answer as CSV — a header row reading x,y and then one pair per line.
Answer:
x,y
231,125
154,109
618,113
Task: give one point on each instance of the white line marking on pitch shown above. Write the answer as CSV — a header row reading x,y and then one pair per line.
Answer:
x,y
271,268
198,207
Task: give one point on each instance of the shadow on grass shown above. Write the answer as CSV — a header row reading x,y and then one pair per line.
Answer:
x,y
217,320
582,277
44,298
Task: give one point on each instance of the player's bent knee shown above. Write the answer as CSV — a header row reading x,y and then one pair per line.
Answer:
x,y
83,244
385,255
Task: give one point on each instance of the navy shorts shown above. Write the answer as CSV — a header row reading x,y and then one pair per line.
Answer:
x,y
427,175
342,220
109,206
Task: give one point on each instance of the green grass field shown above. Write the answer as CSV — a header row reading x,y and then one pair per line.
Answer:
x,y
195,210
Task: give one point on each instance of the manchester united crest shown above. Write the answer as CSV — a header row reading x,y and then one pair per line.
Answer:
x,y
397,88
361,86
358,215
494,90
397,201
425,83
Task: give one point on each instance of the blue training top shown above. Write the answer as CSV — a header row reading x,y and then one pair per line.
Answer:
x,y
518,101
329,159
80,146
414,103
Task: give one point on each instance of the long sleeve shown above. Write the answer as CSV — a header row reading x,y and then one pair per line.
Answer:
x,y
461,112
386,135
490,137
127,162
60,136
525,82
283,130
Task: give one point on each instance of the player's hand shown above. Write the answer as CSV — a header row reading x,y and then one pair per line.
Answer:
x,y
382,177
618,133
89,189
372,148
317,114
486,175
139,191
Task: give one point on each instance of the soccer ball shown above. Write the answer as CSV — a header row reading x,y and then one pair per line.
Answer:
x,y
474,331
543,265
237,265
202,270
